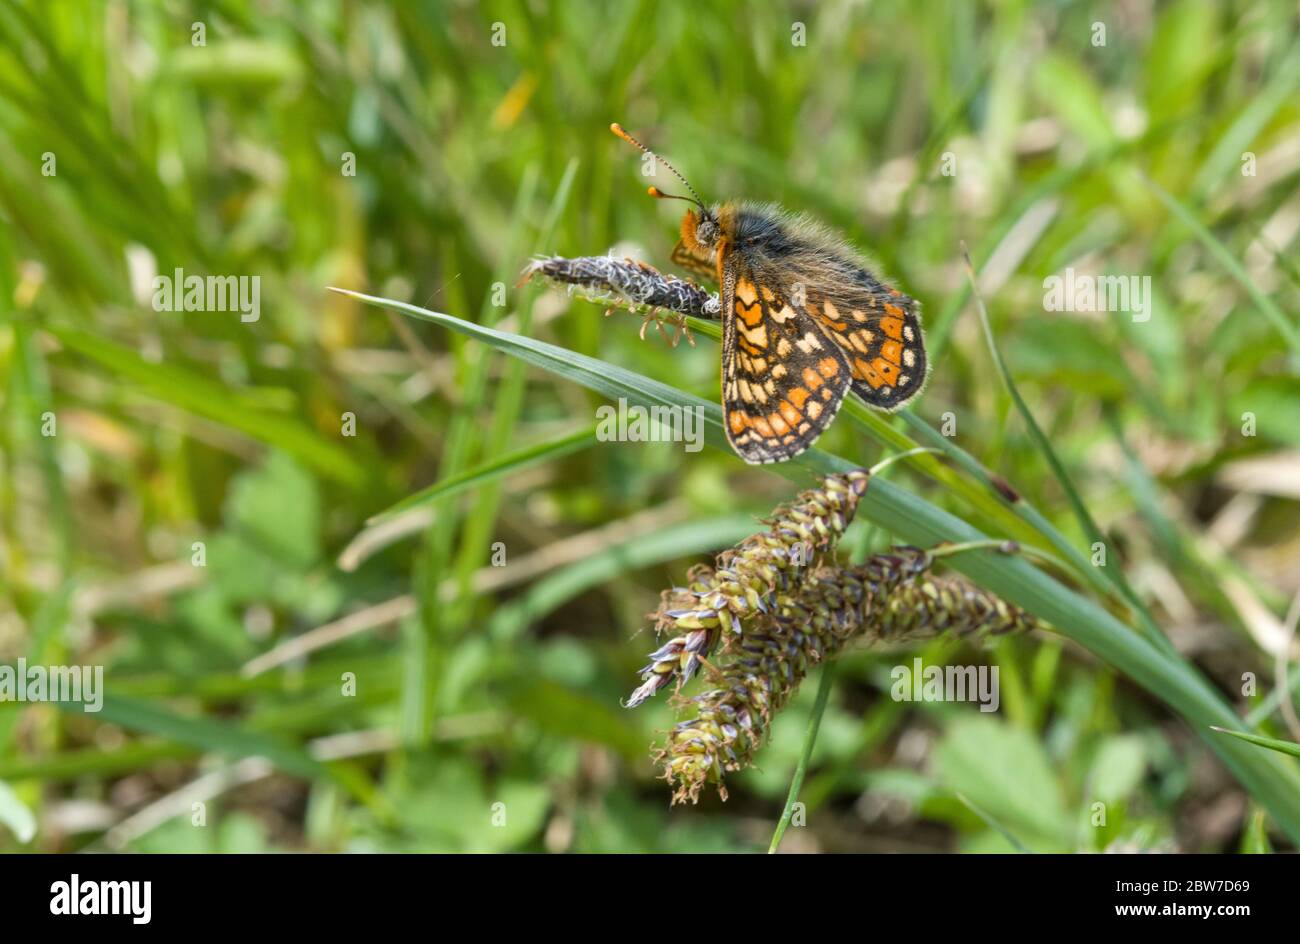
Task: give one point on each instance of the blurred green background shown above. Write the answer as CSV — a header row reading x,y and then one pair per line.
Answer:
x,y
488,638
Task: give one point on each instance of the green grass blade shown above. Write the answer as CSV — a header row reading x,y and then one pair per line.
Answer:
x,y
1255,839
824,686
1273,744
33,385
563,712
1215,247
993,824
205,734
1115,574
428,643
1273,701
1181,552
604,378
93,762
516,461
197,394
476,533
1021,507
1254,117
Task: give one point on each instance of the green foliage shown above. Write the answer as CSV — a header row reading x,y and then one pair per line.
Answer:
x,y
435,683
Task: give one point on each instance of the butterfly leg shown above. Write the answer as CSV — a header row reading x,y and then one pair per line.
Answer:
x,y
682,330
650,315
655,315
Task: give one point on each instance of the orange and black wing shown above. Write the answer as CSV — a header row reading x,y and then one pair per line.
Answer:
x,y
783,379
695,264
879,330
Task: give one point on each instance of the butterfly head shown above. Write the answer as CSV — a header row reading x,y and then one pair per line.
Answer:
x,y
701,228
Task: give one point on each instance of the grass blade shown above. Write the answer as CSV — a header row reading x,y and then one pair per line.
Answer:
x,y
205,734
809,742
197,394
489,471
993,824
1081,513
93,762
1229,262
1255,840
1273,744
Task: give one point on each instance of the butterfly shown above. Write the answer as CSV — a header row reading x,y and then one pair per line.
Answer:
x,y
804,322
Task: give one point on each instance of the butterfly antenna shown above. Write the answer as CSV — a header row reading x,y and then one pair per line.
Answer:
x,y
655,191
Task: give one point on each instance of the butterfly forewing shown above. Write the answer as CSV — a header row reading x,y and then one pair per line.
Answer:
x,y
783,379
682,257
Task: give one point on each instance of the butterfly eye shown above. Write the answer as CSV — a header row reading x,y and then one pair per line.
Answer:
x,y
706,232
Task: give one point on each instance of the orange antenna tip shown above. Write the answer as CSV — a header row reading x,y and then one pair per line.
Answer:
x,y
654,191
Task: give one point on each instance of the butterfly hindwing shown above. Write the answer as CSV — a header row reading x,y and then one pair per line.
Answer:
x,y
879,330
783,379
